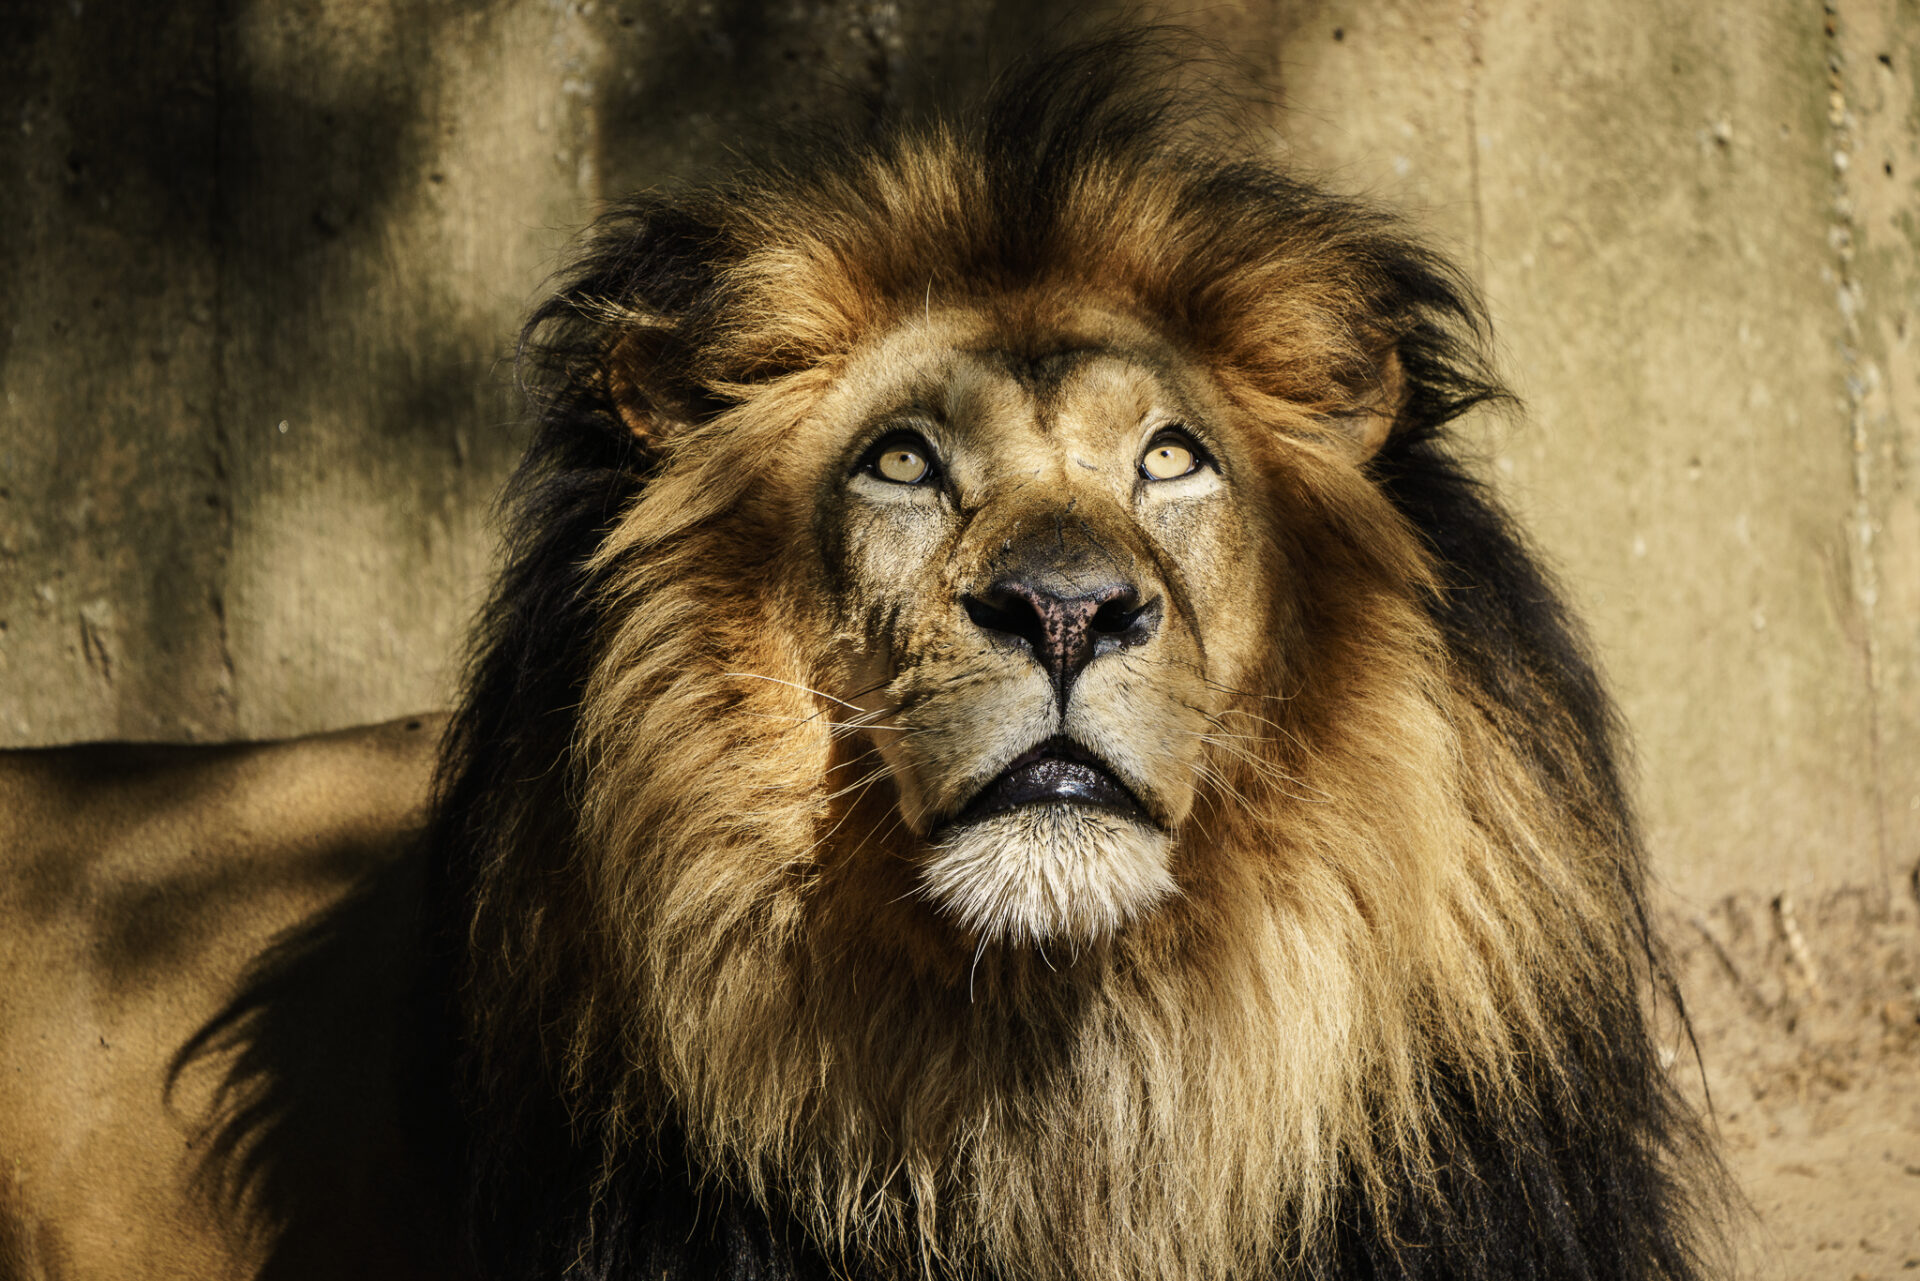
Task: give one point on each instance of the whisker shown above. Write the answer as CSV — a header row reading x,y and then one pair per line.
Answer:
x,y
855,760
863,782
1276,726
1271,773
828,835
1223,713
1223,734
869,720
808,689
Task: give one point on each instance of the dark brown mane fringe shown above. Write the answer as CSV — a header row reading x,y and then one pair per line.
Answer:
x,y
1581,1169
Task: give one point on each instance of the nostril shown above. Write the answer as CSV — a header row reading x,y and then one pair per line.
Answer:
x,y
1021,620
1117,615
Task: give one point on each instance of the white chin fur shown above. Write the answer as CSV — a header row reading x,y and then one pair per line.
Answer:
x,y
1046,873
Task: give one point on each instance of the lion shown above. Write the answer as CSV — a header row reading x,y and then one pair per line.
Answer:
x,y
1008,744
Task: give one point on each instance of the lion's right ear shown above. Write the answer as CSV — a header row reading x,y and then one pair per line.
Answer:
x,y
1377,406
641,371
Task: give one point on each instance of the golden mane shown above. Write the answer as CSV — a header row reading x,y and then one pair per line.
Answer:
x,y
1326,956
1391,1018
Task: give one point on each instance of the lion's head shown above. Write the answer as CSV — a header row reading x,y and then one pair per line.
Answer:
x,y
1018,566
1008,746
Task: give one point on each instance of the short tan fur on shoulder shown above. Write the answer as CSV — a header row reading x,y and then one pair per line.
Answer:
x,y
139,884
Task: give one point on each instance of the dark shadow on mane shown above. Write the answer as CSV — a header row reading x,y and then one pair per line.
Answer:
x,y
331,1136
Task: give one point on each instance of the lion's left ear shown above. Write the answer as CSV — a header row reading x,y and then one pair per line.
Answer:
x,y
642,369
1376,407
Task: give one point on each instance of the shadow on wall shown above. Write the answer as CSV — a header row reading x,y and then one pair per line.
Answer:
x,y
262,315
684,82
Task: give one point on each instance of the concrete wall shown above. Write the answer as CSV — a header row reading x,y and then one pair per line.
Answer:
x,y
262,268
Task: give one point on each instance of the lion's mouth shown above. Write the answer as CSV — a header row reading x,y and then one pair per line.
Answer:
x,y
1057,771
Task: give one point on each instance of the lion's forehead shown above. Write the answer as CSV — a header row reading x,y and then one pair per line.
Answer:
x,y
1003,368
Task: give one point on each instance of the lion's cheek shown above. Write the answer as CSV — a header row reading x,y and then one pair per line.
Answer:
x,y
1216,560
879,559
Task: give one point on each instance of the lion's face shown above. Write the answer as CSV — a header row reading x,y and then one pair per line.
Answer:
x,y
1040,554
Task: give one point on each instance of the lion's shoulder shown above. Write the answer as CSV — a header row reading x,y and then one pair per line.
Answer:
x,y
140,888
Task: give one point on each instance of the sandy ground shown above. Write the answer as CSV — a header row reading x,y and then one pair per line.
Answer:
x,y
1807,1016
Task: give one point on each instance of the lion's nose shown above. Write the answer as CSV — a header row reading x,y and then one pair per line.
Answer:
x,y
1064,633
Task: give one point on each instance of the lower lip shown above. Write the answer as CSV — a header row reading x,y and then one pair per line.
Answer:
x,y
1053,780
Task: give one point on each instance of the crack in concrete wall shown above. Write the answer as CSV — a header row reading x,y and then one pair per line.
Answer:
x,y
219,431
1858,373
1476,63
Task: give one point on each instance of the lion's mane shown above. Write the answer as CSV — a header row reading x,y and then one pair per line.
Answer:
x,y
1393,1023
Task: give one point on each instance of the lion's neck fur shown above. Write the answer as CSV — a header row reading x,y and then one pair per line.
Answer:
x,y
1179,1102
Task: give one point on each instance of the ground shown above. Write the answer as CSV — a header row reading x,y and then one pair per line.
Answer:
x,y
1807,1016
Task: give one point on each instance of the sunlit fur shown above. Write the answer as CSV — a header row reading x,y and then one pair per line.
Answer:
x,y
1046,871
1372,1005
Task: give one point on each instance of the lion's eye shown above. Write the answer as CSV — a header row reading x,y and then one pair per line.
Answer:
x,y
904,460
903,465
1170,456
